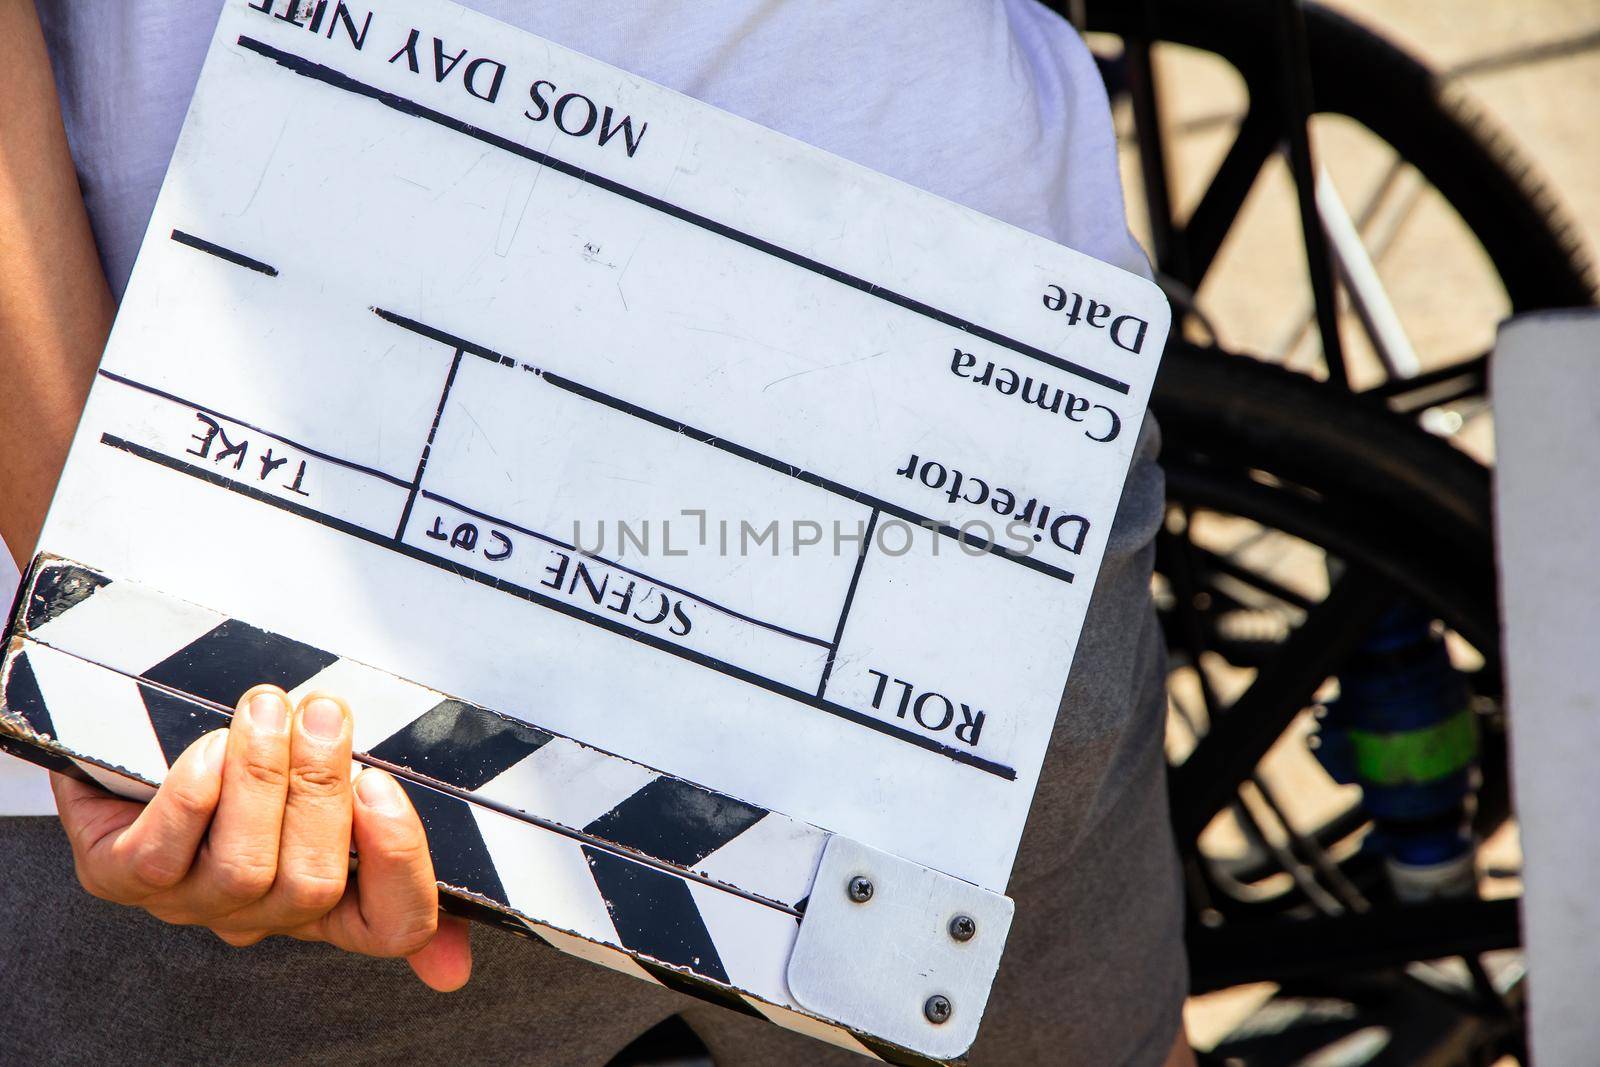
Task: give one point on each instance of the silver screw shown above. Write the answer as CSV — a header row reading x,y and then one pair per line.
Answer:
x,y
962,928
860,889
937,1009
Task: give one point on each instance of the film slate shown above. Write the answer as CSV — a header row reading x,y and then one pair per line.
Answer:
x,y
699,524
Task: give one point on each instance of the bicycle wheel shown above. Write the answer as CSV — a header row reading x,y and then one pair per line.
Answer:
x,y
1297,516
1373,103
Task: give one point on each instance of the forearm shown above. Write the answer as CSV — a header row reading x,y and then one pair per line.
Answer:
x,y
55,306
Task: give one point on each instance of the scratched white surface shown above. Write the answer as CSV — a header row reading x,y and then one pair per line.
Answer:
x,y
722,320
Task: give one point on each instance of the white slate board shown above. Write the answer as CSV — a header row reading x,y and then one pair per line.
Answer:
x,y
427,303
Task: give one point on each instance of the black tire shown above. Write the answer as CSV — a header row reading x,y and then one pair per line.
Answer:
x,y
1246,438
1354,72
1218,410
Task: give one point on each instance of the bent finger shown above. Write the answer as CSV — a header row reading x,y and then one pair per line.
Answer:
x,y
158,850
393,908
92,820
240,861
314,855
128,851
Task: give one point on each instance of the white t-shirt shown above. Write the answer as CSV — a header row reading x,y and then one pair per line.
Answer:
x,y
995,104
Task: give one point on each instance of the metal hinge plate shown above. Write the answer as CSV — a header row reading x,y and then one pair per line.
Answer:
x,y
911,963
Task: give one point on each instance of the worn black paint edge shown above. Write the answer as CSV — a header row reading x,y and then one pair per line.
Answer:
x,y
461,857
23,698
57,588
461,570
655,914
236,258
894,1054
502,916
691,986
33,753
675,821
339,80
461,744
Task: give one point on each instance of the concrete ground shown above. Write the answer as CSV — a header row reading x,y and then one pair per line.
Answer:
x,y
1534,67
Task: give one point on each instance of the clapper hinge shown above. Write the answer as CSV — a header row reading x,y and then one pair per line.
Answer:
x,y
893,949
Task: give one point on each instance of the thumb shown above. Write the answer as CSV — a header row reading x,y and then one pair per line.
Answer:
x,y
445,963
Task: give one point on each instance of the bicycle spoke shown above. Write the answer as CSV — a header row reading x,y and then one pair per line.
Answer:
x,y
1297,107
1255,580
1308,849
1182,573
1336,830
1224,198
1447,384
1206,782
1152,156
1304,879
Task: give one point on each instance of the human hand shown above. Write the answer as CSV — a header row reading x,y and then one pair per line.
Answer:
x,y
250,836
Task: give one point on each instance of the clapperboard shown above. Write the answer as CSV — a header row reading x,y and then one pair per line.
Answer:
x,y
700,525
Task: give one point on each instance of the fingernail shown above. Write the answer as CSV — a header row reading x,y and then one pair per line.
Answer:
x,y
377,790
269,712
323,718
213,751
